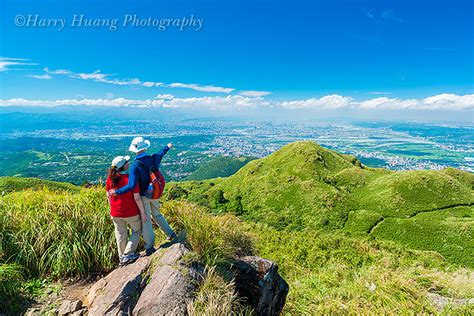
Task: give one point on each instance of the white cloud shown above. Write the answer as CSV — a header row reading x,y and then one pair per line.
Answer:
x,y
43,77
449,102
386,103
126,82
152,84
198,87
253,93
98,76
217,103
214,103
333,101
165,96
438,102
57,72
78,102
6,63
61,72
388,15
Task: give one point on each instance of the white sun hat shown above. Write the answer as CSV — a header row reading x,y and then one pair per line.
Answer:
x,y
139,144
120,161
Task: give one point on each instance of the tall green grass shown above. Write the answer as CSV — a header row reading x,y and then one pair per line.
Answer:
x,y
329,273
50,233
334,274
217,297
215,239
450,232
47,233
57,234
11,276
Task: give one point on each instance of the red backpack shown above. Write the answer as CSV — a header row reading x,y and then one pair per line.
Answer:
x,y
157,181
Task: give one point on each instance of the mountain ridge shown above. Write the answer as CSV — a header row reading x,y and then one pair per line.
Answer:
x,y
304,185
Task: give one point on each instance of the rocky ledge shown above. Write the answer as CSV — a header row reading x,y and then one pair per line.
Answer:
x,y
165,284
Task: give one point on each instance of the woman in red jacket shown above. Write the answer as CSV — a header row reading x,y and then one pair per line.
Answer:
x,y
126,210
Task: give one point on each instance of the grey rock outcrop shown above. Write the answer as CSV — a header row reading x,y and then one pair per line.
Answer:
x,y
114,294
258,281
155,285
69,307
171,287
164,284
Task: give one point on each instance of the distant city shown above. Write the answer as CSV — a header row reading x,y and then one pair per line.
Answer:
x,y
79,149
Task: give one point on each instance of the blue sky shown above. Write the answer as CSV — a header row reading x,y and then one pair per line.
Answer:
x,y
279,50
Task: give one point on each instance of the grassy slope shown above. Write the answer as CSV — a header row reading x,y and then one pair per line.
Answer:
x,y
219,167
292,187
329,272
11,184
304,185
52,232
450,232
406,193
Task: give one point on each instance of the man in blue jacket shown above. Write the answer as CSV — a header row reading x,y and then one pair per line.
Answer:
x,y
140,172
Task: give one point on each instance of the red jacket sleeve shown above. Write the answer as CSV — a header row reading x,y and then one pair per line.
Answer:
x,y
136,189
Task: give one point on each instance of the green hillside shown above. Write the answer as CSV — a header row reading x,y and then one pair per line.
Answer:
x,y
305,186
292,187
50,232
347,238
219,167
11,184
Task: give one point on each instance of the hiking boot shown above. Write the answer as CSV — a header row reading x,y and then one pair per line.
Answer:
x,y
172,237
150,251
127,259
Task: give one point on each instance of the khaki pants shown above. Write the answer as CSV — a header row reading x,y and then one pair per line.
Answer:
x,y
152,208
125,245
